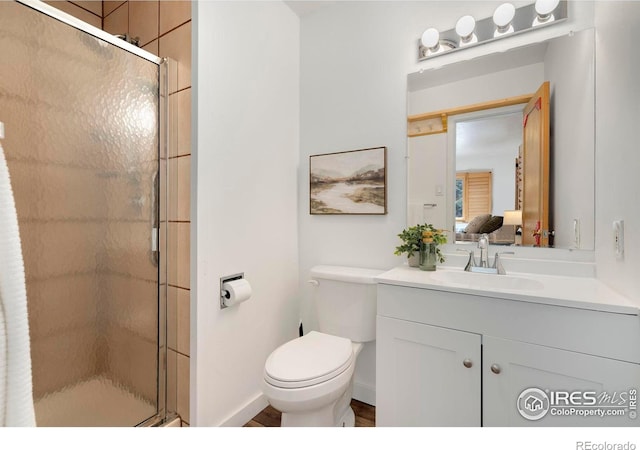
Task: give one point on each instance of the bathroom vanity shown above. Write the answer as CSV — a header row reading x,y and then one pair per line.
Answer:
x,y
458,349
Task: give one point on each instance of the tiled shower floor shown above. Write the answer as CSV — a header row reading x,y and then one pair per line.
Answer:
x,y
91,403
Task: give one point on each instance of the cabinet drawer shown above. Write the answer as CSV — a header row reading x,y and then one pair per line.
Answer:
x,y
605,334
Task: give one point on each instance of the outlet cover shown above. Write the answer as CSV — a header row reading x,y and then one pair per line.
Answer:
x,y
618,238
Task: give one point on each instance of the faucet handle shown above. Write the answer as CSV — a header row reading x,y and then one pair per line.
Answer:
x,y
472,259
497,264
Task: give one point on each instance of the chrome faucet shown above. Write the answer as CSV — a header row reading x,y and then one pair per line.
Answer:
x,y
483,245
496,268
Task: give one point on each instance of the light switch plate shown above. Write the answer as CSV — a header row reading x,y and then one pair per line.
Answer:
x,y
618,238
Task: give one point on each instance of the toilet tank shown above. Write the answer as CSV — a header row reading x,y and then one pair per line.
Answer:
x,y
345,301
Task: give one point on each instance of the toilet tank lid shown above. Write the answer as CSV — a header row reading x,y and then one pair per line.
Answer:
x,y
348,274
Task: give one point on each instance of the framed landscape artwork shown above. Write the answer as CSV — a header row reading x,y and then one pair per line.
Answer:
x,y
352,182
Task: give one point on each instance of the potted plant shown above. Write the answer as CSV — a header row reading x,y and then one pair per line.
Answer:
x,y
412,239
429,250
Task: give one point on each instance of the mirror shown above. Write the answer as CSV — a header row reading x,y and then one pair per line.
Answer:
x,y
454,144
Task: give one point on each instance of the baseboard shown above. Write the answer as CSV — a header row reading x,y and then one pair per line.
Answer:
x,y
365,393
247,412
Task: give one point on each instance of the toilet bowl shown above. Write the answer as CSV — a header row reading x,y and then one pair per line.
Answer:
x,y
310,378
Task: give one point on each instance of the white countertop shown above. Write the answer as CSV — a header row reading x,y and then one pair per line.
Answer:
x,y
572,292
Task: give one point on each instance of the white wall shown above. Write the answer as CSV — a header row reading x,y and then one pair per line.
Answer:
x,y
353,89
245,165
427,156
355,57
569,64
617,155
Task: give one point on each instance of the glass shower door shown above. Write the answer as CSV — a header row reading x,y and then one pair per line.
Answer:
x,y
82,146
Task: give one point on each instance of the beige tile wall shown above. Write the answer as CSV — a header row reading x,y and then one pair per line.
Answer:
x,y
88,11
164,29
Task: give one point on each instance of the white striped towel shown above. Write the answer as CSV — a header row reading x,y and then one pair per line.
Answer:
x,y
16,395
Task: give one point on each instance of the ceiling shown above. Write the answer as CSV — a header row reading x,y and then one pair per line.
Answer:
x,y
304,7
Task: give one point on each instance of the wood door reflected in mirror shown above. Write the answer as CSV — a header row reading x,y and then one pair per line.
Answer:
x,y
535,170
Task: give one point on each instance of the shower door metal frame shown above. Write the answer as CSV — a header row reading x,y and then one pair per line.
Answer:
x,y
162,415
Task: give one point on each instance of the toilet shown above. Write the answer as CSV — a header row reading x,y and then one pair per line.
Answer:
x,y
310,378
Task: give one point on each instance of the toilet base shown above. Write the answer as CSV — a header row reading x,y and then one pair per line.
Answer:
x,y
319,418
335,414
348,419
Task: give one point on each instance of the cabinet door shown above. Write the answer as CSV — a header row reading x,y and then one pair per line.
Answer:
x,y
522,366
421,377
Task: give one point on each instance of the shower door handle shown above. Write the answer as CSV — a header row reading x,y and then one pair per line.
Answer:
x,y
155,219
154,240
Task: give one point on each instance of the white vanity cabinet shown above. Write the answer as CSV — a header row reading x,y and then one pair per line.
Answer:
x,y
419,364
456,359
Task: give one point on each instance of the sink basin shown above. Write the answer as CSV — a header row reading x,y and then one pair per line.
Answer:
x,y
486,281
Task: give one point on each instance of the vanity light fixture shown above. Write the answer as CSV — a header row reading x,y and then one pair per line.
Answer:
x,y
503,18
507,20
544,11
465,28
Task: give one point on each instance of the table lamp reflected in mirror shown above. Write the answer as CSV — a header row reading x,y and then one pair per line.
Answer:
x,y
514,217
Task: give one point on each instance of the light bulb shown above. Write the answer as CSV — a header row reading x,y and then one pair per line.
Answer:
x,y
431,39
544,8
502,17
464,28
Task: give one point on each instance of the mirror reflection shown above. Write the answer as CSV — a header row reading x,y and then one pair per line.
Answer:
x,y
504,144
487,153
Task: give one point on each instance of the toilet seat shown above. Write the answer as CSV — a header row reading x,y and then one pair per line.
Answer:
x,y
308,360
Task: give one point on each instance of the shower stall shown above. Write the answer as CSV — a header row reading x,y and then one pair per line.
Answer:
x,y
85,116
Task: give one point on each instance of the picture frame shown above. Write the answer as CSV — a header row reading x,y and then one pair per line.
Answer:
x,y
352,182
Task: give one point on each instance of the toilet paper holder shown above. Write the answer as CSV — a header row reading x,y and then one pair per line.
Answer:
x,y
224,294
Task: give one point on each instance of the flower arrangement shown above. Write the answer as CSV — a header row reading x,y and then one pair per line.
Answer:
x,y
413,236
435,236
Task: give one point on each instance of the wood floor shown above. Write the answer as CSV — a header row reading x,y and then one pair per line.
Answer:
x,y
270,417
